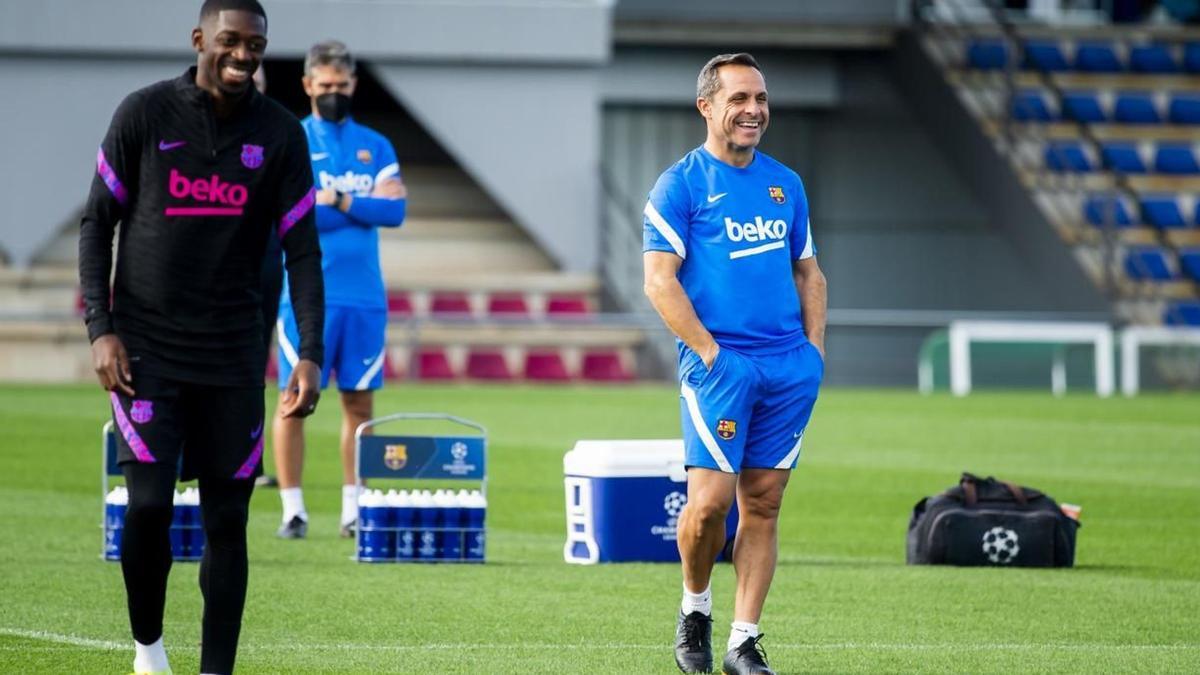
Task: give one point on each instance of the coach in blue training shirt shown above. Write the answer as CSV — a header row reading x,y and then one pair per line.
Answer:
x,y
730,267
359,190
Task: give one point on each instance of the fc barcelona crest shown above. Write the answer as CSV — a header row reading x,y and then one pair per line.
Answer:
x,y
252,156
776,193
395,456
141,411
727,429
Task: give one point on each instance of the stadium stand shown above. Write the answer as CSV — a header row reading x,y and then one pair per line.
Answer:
x,y
1100,125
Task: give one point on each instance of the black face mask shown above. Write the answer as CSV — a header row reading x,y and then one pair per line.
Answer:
x,y
333,107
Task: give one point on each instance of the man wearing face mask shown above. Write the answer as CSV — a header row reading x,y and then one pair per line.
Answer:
x,y
359,190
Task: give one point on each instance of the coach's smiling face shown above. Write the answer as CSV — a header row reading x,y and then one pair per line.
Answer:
x,y
737,115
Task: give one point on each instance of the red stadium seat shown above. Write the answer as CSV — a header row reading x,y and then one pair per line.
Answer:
x,y
546,366
450,304
508,306
272,366
434,364
568,306
487,364
399,304
605,366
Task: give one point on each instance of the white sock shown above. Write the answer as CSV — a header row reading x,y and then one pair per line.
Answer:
x,y
349,504
741,632
697,602
150,658
293,504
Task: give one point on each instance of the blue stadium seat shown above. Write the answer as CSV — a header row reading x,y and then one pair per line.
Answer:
x,y
1182,313
1045,56
1184,108
987,54
1136,107
1030,106
1149,263
1161,211
1175,158
1066,156
1083,106
1152,58
1122,156
1189,261
1097,57
1191,57
1099,209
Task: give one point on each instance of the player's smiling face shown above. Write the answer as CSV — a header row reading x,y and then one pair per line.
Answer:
x,y
230,46
737,115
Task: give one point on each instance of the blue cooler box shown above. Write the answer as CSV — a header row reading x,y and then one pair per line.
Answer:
x,y
624,500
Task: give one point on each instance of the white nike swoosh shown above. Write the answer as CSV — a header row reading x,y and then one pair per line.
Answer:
x,y
713,198
367,362
318,156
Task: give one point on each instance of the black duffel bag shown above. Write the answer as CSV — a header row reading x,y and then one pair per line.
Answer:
x,y
984,521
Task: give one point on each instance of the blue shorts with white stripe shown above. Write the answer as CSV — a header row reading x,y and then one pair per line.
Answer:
x,y
747,411
354,346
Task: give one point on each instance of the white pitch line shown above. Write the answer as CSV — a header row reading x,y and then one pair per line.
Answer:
x,y
59,638
108,645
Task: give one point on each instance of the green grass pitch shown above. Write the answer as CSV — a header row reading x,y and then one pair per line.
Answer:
x,y
842,601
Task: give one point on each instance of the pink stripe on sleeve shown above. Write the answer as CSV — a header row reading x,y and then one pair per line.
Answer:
x,y
297,212
110,178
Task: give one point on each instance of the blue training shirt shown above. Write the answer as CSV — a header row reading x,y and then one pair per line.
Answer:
x,y
738,231
351,158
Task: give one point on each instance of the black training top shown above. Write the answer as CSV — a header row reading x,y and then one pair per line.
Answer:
x,y
197,198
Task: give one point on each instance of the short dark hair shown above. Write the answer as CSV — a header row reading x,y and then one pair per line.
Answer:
x,y
708,83
329,53
211,8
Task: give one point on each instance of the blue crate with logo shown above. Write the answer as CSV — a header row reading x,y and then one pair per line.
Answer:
x,y
415,524
187,530
623,500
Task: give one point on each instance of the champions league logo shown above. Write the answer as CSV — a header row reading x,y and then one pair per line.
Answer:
x,y
673,505
458,465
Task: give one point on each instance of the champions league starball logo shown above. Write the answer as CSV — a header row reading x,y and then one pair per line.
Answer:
x,y
459,466
1000,545
673,505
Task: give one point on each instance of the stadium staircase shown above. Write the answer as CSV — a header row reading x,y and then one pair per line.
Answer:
x,y
470,297
1100,127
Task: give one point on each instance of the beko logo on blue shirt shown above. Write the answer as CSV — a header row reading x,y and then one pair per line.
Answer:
x,y
759,230
348,182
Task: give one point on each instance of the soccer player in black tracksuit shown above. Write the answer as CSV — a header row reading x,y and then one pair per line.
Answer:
x,y
199,171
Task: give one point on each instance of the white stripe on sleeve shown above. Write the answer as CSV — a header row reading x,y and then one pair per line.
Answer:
x,y
387,172
808,242
664,228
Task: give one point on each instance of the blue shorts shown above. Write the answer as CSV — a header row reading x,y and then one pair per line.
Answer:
x,y
354,346
747,412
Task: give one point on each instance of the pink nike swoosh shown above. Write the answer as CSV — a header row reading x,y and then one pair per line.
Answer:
x,y
164,146
257,432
